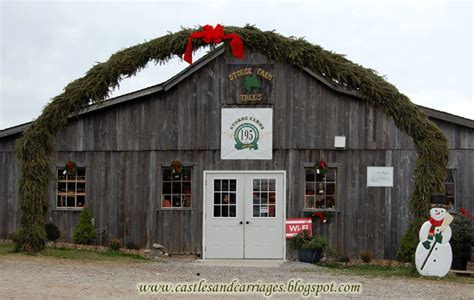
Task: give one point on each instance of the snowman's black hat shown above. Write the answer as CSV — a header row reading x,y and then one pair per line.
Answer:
x,y
439,200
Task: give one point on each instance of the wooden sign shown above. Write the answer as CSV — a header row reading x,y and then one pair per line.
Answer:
x,y
380,176
250,84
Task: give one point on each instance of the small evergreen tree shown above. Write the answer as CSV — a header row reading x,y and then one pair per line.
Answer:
x,y
462,239
85,231
409,242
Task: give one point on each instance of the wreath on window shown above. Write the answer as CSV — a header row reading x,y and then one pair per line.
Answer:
x,y
321,167
323,216
176,167
70,168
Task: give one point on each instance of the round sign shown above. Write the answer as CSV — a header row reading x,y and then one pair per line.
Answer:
x,y
246,137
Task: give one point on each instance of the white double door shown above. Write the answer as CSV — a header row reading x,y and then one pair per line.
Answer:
x,y
244,214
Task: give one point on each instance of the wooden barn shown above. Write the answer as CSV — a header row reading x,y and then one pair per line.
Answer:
x,y
214,160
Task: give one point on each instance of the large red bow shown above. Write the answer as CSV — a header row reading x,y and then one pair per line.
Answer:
x,y
216,35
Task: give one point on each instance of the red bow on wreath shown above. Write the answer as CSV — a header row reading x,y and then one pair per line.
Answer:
x,y
322,164
176,166
320,215
321,167
216,35
70,168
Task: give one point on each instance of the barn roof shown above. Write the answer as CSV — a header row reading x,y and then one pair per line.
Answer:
x,y
202,62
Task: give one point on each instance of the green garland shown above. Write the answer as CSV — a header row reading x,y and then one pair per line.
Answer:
x,y
36,150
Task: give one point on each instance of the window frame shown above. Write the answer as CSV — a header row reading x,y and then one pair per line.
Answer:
x,y
454,183
268,200
159,188
236,201
54,188
303,168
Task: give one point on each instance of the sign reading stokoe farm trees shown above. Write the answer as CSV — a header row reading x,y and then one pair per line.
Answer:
x,y
246,133
250,84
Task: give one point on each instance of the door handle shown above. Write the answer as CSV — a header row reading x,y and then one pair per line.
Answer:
x,y
247,222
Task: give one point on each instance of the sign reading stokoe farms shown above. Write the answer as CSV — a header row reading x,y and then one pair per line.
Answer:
x,y
246,133
252,84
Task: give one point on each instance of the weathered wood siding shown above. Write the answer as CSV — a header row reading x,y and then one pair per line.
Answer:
x,y
9,204
123,147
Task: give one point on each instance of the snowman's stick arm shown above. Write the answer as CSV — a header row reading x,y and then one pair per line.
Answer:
x,y
447,220
428,256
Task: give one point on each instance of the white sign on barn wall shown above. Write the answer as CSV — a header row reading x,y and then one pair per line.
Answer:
x,y
380,176
246,133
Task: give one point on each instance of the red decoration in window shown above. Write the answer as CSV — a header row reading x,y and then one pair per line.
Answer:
x,y
166,203
215,35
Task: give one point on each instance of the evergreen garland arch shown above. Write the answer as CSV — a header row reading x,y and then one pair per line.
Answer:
x,y
36,151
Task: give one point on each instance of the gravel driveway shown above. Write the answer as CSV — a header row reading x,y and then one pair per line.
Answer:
x,y
51,278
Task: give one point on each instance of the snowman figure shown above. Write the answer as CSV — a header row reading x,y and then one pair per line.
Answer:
x,y
433,255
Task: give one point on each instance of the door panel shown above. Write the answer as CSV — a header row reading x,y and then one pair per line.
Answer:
x,y
224,214
263,236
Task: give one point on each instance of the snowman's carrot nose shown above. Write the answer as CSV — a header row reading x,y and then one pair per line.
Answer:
x,y
438,213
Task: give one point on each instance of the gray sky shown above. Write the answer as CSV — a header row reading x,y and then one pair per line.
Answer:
x,y
424,48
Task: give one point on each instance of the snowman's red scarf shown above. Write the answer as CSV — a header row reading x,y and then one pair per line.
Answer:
x,y
434,224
